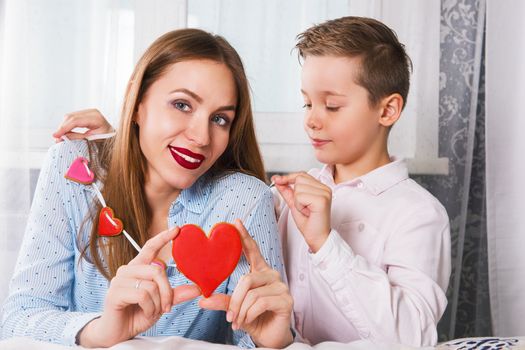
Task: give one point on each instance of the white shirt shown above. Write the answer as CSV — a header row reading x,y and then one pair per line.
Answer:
x,y
384,269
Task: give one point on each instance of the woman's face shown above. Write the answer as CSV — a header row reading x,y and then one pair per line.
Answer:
x,y
184,122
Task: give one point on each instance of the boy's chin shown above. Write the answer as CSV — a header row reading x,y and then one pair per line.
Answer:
x,y
330,159
324,158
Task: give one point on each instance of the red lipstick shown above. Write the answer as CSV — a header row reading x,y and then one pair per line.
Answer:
x,y
186,158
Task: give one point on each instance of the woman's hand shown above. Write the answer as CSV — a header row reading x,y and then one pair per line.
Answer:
x,y
91,119
310,204
137,297
261,303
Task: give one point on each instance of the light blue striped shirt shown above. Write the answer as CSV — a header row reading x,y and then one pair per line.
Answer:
x,y
52,297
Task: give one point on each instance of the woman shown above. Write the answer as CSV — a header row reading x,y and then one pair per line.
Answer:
x,y
185,152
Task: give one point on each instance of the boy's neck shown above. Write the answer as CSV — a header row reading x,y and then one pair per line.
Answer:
x,y
360,167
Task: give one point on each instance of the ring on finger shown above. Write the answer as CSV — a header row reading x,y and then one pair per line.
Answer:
x,y
137,284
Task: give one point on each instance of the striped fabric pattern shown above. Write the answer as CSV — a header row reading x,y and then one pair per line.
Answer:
x,y
54,294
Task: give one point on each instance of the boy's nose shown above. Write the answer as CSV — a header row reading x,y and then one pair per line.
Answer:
x,y
312,120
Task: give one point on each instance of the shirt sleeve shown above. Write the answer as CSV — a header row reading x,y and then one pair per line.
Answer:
x,y
278,202
262,226
403,300
39,297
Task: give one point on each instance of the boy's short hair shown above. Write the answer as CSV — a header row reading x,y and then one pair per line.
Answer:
x,y
385,64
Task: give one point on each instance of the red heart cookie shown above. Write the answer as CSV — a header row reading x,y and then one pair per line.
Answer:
x,y
207,261
80,172
108,224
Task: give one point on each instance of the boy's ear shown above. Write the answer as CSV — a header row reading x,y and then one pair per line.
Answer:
x,y
392,106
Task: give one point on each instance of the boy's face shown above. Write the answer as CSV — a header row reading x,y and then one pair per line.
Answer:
x,y
342,125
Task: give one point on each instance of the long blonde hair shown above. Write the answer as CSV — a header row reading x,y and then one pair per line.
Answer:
x,y
121,164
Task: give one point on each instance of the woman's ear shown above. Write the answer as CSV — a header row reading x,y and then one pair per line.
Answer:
x,y
392,106
138,114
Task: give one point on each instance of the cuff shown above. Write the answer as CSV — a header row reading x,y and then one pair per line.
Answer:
x,y
334,254
75,325
246,342
298,338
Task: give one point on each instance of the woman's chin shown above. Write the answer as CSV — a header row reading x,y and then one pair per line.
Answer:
x,y
182,184
182,180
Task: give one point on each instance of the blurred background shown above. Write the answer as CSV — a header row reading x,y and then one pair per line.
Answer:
x,y
461,131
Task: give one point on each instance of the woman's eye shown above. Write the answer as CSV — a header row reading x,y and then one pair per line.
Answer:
x,y
182,106
307,106
220,120
332,109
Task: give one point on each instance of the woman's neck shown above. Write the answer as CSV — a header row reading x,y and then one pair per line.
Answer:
x,y
159,197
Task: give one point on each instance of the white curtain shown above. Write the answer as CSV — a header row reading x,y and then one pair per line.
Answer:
x,y
505,167
58,56
264,34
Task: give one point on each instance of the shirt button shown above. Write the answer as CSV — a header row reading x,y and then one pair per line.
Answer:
x,y
322,265
301,277
360,185
361,227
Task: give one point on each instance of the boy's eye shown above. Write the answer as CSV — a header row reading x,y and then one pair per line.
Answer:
x,y
182,106
220,120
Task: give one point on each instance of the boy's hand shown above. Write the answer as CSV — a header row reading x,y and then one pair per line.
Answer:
x,y
310,202
91,119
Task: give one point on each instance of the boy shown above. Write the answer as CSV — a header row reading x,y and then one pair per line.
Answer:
x,y
367,250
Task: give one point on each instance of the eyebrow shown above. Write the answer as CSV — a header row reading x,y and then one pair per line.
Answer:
x,y
326,92
200,99
188,92
226,108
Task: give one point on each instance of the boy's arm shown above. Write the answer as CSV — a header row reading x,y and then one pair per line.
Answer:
x,y
91,119
403,302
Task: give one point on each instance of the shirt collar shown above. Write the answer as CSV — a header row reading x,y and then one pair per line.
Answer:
x,y
326,175
195,197
376,181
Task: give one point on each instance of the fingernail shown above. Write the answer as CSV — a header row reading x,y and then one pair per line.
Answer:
x,y
229,316
234,326
160,263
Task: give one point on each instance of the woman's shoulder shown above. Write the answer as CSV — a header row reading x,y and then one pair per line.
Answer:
x,y
68,151
237,183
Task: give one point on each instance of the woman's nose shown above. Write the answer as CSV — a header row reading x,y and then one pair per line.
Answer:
x,y
198,131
